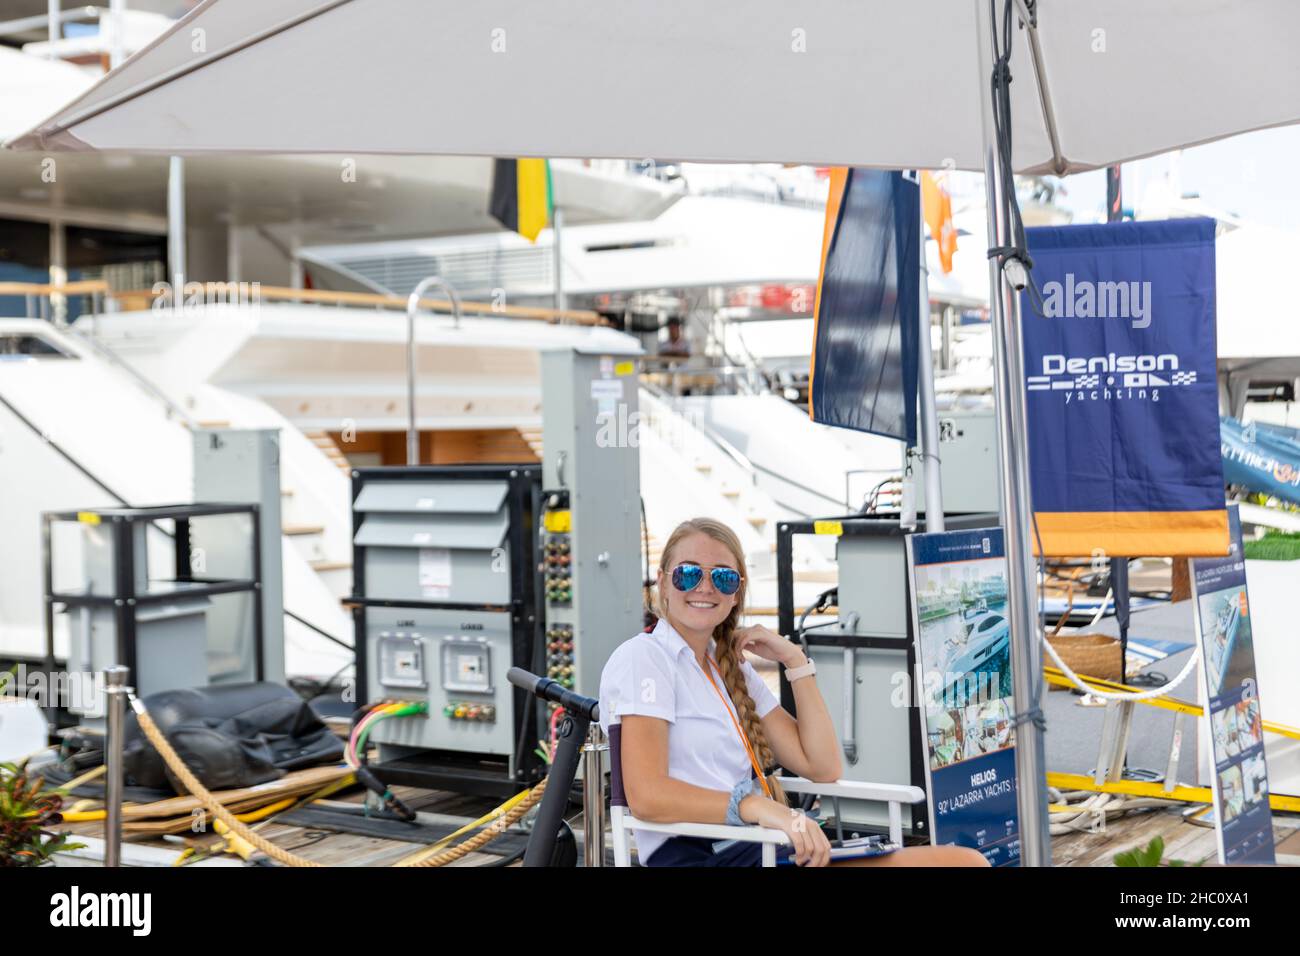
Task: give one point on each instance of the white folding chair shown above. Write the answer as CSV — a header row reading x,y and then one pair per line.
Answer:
x,y
622,821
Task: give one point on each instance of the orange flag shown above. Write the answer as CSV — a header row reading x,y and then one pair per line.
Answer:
x,y
937,209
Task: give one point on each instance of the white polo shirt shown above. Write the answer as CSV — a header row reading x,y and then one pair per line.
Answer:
x,y
658,675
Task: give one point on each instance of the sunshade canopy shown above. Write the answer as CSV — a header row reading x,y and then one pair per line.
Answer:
x,y
890,85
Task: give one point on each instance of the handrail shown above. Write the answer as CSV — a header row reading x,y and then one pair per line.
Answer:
x,y
412,307
319,296
95,480
323,633
80,287
739,457
65,454
730,450
330,297
153,390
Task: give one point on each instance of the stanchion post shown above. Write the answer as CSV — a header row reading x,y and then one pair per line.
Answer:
x,y
593,797
115,690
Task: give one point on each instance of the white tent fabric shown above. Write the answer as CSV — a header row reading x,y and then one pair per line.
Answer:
x,y
30,88
889,85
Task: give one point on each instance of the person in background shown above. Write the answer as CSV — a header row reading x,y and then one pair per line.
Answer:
x,y
676,345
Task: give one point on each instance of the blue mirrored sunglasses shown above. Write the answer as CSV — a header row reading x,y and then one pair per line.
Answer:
x,y
687,577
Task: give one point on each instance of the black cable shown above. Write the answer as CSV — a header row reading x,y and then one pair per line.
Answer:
x,y
645,548
514,857
1009,206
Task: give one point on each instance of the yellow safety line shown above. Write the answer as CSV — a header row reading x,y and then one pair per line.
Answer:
x,y
1142,788
1057,677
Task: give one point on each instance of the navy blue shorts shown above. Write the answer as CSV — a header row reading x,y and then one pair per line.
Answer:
x,y
698,851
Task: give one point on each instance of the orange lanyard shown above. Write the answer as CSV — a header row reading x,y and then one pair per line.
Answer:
x,y
743,739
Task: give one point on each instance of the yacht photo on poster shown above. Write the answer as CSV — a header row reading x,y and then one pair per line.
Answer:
x,y
1236,725
963,637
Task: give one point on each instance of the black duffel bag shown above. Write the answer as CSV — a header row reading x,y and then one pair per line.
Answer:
x,y
230,736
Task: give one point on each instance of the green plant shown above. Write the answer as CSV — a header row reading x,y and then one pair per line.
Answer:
x,y
26,813
1274,546
1150,855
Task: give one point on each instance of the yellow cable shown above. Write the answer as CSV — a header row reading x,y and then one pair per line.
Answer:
x,y
428,851
86,777
1057,677
486,836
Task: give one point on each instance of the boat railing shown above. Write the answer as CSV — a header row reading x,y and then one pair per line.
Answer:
x,y
152,390
42,300
253,293
751,468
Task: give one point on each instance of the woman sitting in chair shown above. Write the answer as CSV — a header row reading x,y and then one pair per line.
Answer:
x,y
700,728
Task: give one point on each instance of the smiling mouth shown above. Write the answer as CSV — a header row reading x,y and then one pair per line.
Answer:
x,y
701,604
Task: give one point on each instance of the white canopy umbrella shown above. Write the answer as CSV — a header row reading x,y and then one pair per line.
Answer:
x,y
888,85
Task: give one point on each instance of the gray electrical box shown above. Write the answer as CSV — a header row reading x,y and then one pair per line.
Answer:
x,y
445,603
862,655
591,518
464,571
874,730
240,465
968,453
453,660
425,540
170,642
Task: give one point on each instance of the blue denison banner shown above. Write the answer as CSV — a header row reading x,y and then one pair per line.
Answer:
x,y
1121,391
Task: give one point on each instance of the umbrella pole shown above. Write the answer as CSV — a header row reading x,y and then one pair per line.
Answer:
x,y
1013,467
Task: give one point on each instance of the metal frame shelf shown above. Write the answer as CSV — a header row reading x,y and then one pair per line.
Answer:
x,y
124,598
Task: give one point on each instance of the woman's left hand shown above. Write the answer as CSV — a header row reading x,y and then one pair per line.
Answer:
x,y
768,645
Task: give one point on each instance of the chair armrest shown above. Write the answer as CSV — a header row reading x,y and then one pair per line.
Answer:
x,y
855,789
711,831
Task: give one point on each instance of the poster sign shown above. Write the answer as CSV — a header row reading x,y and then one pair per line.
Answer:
x,y
1120,388
963,652
1234,725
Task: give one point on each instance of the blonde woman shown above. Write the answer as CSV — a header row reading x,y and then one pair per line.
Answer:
x,y
700,729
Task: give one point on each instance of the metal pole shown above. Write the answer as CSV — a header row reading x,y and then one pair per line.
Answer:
x,y
1118,566
593,797
1008,382
929,414
115,690
55,23
557,223
413,306
117,48
176,228
58,272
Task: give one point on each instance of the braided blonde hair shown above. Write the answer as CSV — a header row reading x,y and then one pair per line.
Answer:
x,y
729,658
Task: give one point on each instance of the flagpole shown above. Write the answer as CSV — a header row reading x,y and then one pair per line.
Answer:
x,y
557,222
929,412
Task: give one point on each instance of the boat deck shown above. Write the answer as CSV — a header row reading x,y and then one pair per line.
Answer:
x,y
441,812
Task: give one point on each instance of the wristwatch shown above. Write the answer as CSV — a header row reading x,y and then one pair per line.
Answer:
x,y
807,670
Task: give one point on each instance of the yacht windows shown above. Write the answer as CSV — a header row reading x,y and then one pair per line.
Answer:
x,y
14,345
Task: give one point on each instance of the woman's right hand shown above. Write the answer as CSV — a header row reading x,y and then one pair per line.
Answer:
x,y
808,844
